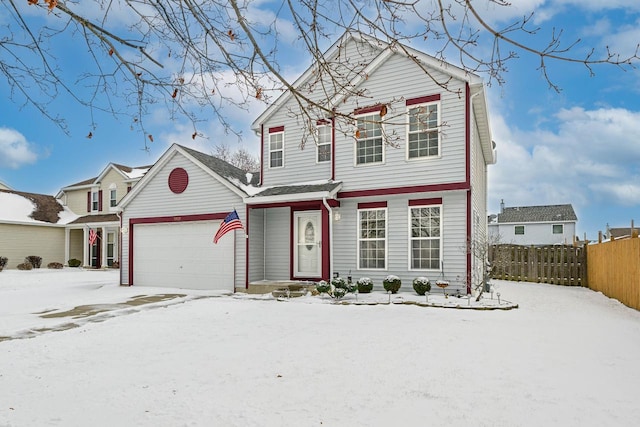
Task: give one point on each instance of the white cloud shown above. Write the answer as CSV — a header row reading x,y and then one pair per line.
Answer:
x,y
589,156
15,150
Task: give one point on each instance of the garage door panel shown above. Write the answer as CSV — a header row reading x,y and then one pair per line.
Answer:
x,y
183,255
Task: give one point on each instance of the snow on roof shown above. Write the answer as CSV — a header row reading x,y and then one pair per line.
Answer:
x,y
136,173
21,209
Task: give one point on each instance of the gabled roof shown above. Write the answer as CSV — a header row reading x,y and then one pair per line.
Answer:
x,y
548,213
240,182
21,207
296,192
386,49
128,174
95,218
618,232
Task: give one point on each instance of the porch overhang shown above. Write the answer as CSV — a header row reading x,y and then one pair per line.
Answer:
x,y
295,193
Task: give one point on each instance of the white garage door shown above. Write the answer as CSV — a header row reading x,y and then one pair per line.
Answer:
x,y
182,255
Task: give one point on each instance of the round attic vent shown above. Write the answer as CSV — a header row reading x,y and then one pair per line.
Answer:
x,y
178,180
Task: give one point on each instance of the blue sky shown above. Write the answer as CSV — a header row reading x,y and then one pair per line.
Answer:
x,y
579,146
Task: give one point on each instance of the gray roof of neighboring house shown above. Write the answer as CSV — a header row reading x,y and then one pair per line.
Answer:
x,y
620,232
224,169
297,189
96,218
547,213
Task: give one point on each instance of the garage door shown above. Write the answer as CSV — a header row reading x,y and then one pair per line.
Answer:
x,y
182,255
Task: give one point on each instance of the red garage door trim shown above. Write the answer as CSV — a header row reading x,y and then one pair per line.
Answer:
x,y
166,219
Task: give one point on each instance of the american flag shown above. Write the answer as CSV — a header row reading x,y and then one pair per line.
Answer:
x,y
93,236
231,222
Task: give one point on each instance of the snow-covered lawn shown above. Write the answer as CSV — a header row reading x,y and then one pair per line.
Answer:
x,y
565,357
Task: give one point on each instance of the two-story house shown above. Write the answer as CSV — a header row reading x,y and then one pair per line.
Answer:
x,y
94,236
534,225
391,181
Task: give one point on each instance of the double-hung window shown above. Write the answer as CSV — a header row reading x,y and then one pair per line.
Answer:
x,y
95,201
425,237
369,144
372,238
558,229
519,230
423,136
276,147
112,197
323,142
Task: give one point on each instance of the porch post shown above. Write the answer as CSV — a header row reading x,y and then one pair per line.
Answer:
x,y
103,245
85,246
66,245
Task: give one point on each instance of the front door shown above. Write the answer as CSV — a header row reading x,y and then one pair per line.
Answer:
x,y
307,252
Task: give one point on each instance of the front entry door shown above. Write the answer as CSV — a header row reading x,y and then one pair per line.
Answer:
x,y
307,252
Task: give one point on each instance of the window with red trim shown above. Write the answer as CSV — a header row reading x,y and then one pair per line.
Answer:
x,y
425,241
276,149
369,144
423,136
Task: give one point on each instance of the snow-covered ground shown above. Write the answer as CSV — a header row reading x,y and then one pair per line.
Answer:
x,y
565,357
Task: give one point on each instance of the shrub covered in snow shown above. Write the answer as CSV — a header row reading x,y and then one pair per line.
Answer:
x,y
323,287
339,282
25,266
34,260
73,262
421,285
54,265
3,262
392,283
365,285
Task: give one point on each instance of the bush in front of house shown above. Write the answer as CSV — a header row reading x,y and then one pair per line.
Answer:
x,y
421,285
25,266
54,265
323,287
365,285
34,260
3,262
392,283
73,262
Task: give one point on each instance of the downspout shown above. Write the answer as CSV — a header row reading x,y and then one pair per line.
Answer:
x,y
470,193
326,205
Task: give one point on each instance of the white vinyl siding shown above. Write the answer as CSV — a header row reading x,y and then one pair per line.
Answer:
x,y
423,136
276,150
20,241
372,239
277,235
425,237
369,143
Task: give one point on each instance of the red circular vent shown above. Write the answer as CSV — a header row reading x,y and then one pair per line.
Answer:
x,y
178,180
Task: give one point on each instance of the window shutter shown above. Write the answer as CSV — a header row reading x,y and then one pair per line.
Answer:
x,y
100,200
88,201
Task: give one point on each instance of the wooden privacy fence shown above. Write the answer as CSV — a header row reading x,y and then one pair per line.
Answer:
x,y
614,270
558,265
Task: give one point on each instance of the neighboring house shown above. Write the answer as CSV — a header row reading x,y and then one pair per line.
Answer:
x,y
620,232
534,225
32,224
348,204
94,201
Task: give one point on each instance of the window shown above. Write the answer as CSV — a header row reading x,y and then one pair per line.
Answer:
x,y
111,249
423,136
519,229
276,150
558,229
425,237
372,238
112,198
95,201
369,139
324,141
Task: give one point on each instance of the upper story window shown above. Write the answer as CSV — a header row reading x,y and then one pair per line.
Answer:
x,y
369,144
323,143
113,201
423,137
558,229
95,200
276,147
519,229
425,237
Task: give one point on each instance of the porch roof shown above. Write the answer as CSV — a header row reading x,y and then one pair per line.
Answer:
x,y
296,192
96,218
